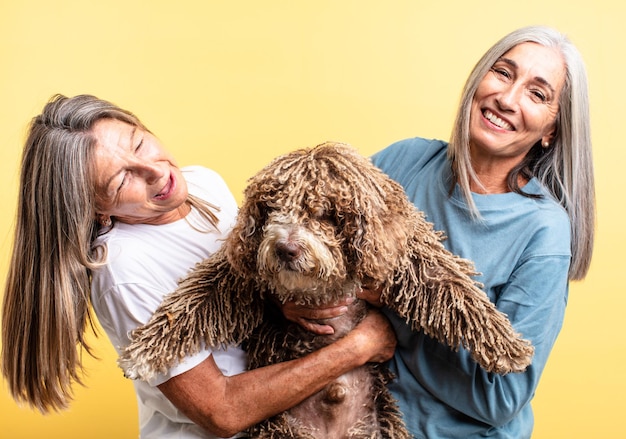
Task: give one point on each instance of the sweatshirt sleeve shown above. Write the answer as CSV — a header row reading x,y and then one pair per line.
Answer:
x,y
492,398
523,250
534,299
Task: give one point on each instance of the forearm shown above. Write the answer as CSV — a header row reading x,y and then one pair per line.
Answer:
x,y
535,305
489,398
226,405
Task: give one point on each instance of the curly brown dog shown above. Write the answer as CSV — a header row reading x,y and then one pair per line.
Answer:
x,y
316,225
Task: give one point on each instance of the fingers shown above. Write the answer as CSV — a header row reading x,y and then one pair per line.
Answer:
x,y
380,337
315,328
372,296
308,316
310,313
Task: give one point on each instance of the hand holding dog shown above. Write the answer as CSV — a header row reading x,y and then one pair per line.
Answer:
x,y
308,316
374,334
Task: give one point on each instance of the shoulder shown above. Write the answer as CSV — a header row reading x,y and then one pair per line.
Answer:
x,y
150,258
130,267
551,216
130,249
405,155
200,176
415,147
208,185
552,227
542,223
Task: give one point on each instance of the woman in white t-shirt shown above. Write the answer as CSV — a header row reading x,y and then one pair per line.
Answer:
x,y
106,218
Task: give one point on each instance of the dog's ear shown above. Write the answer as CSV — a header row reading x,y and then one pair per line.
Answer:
x,y
213,306
241,244
378,227
435,292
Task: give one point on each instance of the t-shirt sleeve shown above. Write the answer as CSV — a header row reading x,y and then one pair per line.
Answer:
x,y
125,307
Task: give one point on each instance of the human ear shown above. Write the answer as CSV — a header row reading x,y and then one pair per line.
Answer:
x,y
104,220
548,138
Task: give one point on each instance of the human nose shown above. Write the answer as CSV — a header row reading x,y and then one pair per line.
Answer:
x,y
508,99
151,172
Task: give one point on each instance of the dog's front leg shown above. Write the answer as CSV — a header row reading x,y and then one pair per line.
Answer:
x,y
213,306
436,293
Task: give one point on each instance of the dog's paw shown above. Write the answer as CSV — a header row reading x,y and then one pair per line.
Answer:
x,y
135,370
513,358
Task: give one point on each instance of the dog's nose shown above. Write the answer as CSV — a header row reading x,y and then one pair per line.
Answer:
x,y
288,251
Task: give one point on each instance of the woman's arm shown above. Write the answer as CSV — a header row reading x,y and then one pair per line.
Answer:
x,y
226,405
534,300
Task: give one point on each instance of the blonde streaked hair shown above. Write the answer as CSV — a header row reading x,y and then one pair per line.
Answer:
x,y
46,307
565,169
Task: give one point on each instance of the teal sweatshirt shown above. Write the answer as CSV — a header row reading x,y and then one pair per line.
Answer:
x,y
522,250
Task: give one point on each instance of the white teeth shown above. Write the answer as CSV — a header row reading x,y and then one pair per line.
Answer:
x,y
497,121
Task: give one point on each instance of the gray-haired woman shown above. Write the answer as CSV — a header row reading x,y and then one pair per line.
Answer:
x,y
514,192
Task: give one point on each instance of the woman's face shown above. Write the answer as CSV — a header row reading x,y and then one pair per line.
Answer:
x,y
137,181
515,105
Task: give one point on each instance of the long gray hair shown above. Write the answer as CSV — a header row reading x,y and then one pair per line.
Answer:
x,y
46,303
565,168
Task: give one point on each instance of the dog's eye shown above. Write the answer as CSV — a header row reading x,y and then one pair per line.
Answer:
x,y
327,217
263,211
318,213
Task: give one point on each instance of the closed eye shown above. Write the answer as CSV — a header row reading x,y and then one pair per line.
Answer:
x,y
125,178
137,142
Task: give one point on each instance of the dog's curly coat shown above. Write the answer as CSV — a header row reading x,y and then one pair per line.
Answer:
x,y
315,226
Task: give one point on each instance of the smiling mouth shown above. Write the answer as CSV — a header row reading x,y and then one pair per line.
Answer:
x,y
497,121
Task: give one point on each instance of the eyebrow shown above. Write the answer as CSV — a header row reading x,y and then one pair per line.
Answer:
x,y
539,79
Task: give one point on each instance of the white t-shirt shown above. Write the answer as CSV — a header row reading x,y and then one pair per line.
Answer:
x,y
144,263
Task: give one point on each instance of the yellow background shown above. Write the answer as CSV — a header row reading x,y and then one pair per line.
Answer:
x,y
231,84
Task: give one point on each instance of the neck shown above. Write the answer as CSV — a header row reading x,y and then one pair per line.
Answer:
x,y
492,173
168,217
494,183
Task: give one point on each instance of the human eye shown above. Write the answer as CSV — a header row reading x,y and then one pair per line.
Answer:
x,y
138,143
123,181
501,71
539,95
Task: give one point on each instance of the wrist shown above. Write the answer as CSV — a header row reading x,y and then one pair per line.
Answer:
x,y
355,347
